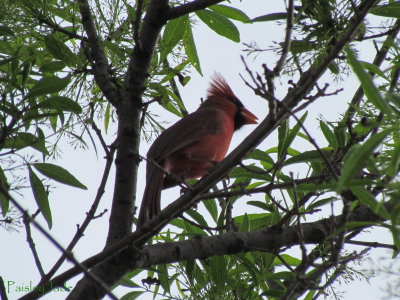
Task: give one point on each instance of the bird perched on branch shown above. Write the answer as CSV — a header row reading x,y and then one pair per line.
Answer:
x,y
192,146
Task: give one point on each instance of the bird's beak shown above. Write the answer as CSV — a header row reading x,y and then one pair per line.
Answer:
x,y
249,117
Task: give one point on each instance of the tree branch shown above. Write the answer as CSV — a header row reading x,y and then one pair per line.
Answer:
x,y
268,239
184,9
100,65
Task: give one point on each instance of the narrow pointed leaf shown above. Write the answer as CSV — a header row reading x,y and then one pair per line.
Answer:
x,y
357,157
40,196
270,17
230,12
220,24
48,85
369,200
59,174
173,33
370,90
190,48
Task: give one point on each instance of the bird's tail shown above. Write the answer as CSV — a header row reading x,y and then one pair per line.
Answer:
x,y
150,206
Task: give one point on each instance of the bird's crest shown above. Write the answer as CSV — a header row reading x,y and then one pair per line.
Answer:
x,y
219,87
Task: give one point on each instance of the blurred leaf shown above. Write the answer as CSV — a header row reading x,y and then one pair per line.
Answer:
x,y
297,47
369,200
51,67
242,172
131,295
245,225
190,47
283,131
261,156
391,10
329,135
59,50
25,139
5,30
59,174
40,196
290,260
357,157
61,104
4,201
218,271
220,24
393,166
373,68
286,138
230,12
48,85
269,17
107,117
370,90
197,217
173,33
211,207
307,156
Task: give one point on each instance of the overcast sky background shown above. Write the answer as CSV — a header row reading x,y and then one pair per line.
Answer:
x,y
69,205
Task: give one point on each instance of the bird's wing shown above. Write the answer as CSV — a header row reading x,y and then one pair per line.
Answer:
x,y
186,131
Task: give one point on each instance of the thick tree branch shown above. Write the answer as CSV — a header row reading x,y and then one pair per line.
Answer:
x,y
127,159
268,240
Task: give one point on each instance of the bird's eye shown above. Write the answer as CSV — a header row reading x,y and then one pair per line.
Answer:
x,y
236,101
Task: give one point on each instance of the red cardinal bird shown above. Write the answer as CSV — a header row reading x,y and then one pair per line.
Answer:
x,y
190,147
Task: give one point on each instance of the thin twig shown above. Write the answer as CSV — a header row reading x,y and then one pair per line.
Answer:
x,y
68,254
89,216
32,246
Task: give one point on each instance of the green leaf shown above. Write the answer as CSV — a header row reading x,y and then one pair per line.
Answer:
x,y
58,174
5,30
197,217
245,225
131,295
4,201
61,104
51,67
286,137
230,12
173,33
270,17
329,135
258,173
391,10
357,157
190,47
307,156
48,85
373,68
211,207
107,116
369,200
220,24
40,196
218,271
260,156
370,90
297,47
283,131
25,139
59,50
